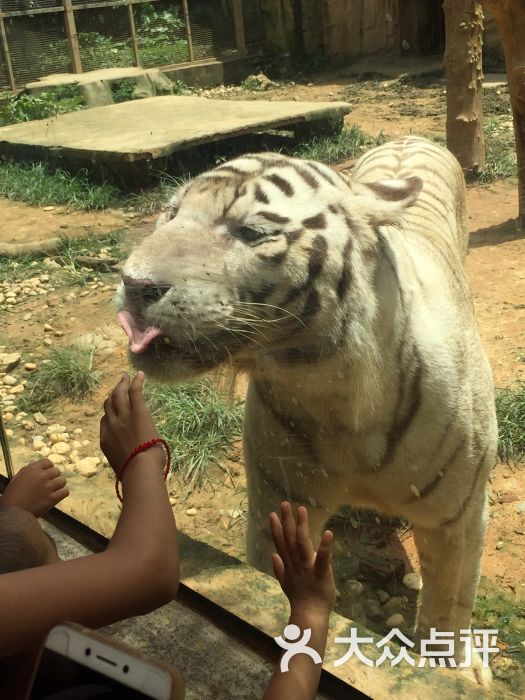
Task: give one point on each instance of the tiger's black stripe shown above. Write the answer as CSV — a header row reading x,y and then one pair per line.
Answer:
x,y
281,183
273,217
310,180
459,513
343,283
260,195
317,222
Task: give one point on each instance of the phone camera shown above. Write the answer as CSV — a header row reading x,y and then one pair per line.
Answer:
x,y
88,651
125,668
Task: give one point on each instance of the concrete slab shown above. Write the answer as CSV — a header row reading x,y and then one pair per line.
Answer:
x,y
157,127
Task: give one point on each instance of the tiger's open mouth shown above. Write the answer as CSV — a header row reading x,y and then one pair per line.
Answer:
x,y
139,339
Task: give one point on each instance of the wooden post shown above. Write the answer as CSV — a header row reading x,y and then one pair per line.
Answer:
x,y
7,55
133,31
188,29
510,18
464,32
240,34
72,39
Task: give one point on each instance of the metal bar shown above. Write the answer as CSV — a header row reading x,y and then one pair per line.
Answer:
x,y
5,449
8,63
240,34
84,6
30,13
188,29
72,38
133,31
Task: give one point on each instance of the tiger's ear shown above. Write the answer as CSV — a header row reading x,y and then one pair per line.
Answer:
x,y
389,198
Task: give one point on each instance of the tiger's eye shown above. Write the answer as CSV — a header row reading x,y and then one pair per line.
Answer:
x,y
249,235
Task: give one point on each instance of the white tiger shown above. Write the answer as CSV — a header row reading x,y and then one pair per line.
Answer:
x,y
346,301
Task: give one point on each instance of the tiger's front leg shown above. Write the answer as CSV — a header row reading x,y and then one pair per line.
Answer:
x,y
450,558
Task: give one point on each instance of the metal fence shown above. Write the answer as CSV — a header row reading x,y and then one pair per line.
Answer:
x,y
40,37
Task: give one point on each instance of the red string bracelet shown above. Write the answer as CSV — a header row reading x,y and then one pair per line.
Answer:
x,y
137,450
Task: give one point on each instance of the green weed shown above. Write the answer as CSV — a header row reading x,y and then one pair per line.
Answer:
x,y
37,184
198,422
66,372
510,409
349,143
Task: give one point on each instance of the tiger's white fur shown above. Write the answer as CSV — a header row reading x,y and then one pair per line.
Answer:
x,y
346,301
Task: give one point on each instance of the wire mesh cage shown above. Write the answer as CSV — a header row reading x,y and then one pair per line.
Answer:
x,y
212,28
37,44
57,36
161,33
104,36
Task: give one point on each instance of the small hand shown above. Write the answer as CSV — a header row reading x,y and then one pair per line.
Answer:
x,y
126,422
305,576
36,488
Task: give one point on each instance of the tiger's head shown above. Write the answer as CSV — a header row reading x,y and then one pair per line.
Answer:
x,y
259,257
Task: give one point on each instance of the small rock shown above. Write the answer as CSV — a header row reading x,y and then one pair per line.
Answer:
x,y
50,208
8,380
173,501
58,334
396,620
47,341
30,366
44,451
76,444
499,544
351,588
28,425
9,433
413,581
58,437
8,416
191,511
38,442
88,466
520,507
77,431
373,610
48,328
18,389
56,428
40,418
396,604
61,448
9,361
383,596
56,458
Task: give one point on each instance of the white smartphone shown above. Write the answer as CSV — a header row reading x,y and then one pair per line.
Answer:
x,y
79,664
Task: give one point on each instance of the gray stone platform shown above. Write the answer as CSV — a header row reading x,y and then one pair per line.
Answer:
x,y
157,127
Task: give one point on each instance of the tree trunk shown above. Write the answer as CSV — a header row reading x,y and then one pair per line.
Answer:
x,y
464,36
510,18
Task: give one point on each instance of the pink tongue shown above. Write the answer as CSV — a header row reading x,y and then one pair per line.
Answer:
x,y
138,340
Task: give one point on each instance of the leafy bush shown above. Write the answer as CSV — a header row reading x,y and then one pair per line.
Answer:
x,y
54,101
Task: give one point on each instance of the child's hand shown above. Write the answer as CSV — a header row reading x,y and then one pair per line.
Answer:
x,y
305,576
36,488
126,422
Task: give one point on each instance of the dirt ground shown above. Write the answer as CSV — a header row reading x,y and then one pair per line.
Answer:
x,y
216,514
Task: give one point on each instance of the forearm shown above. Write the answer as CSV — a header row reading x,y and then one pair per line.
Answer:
x,y
146,527
301,680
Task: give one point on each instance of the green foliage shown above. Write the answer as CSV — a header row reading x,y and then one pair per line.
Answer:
x,y
122,90
500,152
54,101
66,372
510,409
152,200
198,422
70,249
348,143
37,184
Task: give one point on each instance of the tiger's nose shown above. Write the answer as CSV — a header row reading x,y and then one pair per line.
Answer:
x,y
147,289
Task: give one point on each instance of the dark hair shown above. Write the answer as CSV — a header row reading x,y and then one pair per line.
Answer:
x,y
17,551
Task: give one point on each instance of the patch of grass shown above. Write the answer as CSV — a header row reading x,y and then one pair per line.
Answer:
x,y
122,90
66,372
92,245
152,200
500,152
510,409
38,185
18,268
199,423
348,143
496,102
